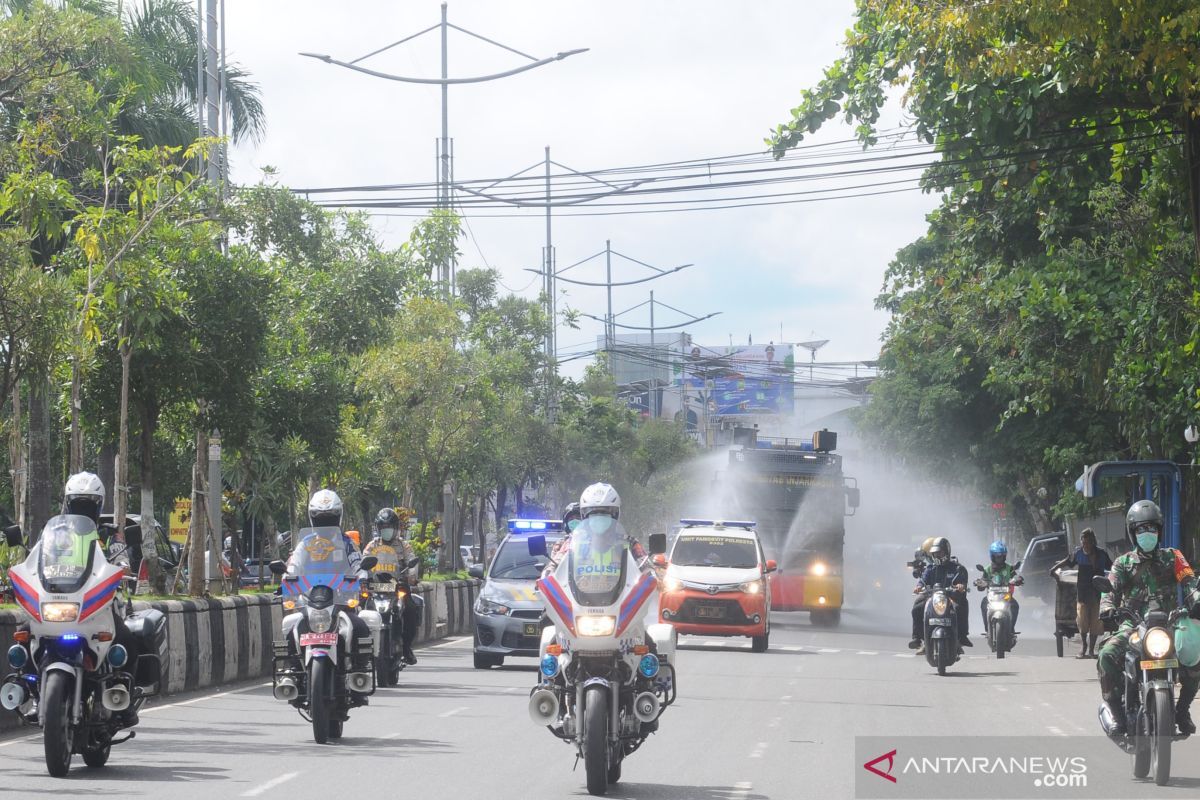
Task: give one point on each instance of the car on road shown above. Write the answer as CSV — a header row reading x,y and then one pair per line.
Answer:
x,y
716,582
1044,551
508,612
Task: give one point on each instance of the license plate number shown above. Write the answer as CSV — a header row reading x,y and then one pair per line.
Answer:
x,y
385,586
1166,663
710,612
533,629
318,639
939,621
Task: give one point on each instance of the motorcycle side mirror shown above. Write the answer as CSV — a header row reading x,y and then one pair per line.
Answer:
x,y
772,565
979,567
658,543
13,536
1102,584
1017,566
475,571
660,560
413,562
537,545
277,567
368,563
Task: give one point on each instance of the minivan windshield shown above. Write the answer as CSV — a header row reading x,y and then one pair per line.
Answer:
x,y
714,551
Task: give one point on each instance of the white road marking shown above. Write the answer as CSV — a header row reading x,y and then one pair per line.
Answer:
x,y
1055,731
451,643
758,750
829,650
791,648
204,697
271,784
20,739
786,697
1027,708
395,735
774,723
1001,688
868,653
741,790
512,690
904,655
453,711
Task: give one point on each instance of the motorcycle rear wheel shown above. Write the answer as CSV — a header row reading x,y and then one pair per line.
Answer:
x,y
595,739
1164,734
318,698
57,736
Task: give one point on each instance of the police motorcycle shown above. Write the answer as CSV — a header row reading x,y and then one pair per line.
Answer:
x,y
605,676
1161,644
387,596
320,667
941,628
71,677
1000,633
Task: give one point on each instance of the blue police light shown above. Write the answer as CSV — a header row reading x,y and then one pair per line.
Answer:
x,y
117,656
70,640
17,656
526,525
549,665
648,666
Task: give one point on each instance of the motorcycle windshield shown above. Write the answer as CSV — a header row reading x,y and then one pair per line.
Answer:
x,y
65,552
597,561
320,560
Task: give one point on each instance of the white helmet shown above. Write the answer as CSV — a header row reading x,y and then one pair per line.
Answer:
x,y
84,495
325,506
600,498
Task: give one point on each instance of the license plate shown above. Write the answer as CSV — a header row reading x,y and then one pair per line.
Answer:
x,y
939,621
318,639
710,612
533,629
384,586
1166,663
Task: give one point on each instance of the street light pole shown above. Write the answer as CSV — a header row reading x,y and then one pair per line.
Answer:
x,y
445,183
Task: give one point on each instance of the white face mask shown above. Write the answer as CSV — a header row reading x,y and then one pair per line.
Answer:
x,y
387,534
600,523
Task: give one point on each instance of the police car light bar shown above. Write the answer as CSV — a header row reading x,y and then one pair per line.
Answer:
x,y
718,523
526,525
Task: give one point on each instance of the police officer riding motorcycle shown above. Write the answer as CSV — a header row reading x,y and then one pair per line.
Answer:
x,y
395,555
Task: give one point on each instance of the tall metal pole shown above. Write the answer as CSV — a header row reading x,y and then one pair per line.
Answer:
x,y
653,364
609,333
212,92
551,307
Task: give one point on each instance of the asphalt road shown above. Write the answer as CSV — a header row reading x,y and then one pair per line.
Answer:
x,y
776,725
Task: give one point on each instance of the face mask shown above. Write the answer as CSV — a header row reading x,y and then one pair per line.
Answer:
x,y
1147,541
572,525
387,534
600,523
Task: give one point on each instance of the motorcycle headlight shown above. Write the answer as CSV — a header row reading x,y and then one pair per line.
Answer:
x,y
490,607
596,625
996,605
940,604
752,587
1158,643
60,612
672,584
319,619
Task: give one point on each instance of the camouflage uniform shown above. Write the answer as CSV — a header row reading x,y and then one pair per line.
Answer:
x,y
1147,582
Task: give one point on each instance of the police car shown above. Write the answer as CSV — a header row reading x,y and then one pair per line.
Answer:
x,y
508,611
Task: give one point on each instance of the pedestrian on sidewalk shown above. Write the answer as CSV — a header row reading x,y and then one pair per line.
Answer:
x,y
1090,560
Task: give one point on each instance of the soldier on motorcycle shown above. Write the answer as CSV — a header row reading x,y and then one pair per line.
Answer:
x,y
1145,579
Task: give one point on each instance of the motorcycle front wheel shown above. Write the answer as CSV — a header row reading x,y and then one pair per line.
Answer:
x,y
57,736
1141,743
1164,734
1001,638
940,655
595,739
320,674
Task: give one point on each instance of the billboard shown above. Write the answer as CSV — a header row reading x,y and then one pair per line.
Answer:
x,y
740,380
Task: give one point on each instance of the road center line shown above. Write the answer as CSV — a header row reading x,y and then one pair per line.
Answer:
x,y
759,749
453,711
204,697
451,643
868,653
741,790
829,650
269,785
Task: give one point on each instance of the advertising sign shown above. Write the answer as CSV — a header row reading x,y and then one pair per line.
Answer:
x,y
741,380
181,518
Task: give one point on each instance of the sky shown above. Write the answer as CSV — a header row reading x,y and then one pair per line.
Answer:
x,y
664,80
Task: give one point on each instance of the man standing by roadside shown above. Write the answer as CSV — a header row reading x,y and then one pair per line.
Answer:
x,y
1090,560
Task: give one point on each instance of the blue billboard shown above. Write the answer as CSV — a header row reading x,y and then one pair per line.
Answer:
x,y
738,381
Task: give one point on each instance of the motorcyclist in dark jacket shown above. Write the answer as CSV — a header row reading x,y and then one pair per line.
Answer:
x,y
945,571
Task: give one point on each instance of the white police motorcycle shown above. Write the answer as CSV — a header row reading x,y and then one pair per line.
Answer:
x,y
320,667
605,676
71,677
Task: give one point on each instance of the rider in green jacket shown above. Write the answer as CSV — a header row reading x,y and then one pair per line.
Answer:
x,y
1145,579
998,573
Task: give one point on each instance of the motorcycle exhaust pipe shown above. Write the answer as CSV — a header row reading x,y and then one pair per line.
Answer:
x,y
13,696
646,707
285,689
115,698
543,707
359,681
